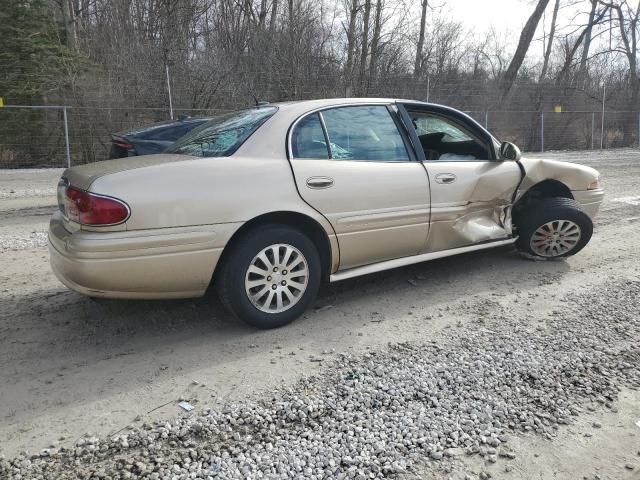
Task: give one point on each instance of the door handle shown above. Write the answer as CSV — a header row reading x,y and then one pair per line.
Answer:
x,y
446,178
319,182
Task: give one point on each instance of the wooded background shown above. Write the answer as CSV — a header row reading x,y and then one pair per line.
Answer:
x,y
107,59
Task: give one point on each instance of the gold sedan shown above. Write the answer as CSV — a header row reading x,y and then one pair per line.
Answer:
x,y
267,202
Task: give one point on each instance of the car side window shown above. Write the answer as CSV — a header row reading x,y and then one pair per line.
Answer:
x,y
308,139
442,139
365,132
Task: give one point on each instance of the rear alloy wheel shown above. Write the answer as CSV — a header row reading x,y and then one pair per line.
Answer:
x,y
554,228
270,276
277,278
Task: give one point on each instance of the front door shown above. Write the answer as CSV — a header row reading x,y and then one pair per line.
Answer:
x,y
471,191
351,164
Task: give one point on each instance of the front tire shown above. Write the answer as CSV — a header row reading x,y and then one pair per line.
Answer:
x,y
270,276
553,228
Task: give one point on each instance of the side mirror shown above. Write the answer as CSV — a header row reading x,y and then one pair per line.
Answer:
x,y
509,151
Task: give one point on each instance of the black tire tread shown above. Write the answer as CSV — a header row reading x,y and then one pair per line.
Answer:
x,y
548,209
224,281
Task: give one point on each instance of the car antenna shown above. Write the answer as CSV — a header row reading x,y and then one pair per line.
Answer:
x,y
258,102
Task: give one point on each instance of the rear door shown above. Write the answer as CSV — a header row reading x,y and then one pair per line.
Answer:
x,y
471,190
352,165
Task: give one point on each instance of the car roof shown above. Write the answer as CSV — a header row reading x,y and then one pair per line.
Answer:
x,y
296,108
328,102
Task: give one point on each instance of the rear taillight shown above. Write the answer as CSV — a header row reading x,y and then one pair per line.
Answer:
x,y
121,142
92,209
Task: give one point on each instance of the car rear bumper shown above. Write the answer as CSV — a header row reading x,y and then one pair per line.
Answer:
x,y
589,200
163,263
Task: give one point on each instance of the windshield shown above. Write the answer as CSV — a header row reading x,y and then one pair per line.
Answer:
x,y
222,135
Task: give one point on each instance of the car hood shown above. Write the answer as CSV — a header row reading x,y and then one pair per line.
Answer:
x,y
82,176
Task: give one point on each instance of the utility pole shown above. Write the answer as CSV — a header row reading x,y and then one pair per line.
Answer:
x,y
428,88
166,69
542,131
604,95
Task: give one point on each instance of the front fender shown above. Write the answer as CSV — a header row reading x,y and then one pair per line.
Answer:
x,y
573,175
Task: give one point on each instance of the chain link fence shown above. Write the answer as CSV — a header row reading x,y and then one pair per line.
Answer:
x,y
57,136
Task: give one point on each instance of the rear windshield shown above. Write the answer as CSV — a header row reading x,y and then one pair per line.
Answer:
x,y
222,135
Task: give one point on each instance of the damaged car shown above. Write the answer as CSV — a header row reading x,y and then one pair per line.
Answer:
x,y
266,203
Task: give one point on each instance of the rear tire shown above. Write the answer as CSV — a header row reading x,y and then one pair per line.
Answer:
x,y
270,276
553,228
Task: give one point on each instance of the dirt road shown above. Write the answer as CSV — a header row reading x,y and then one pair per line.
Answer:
x,y
72,365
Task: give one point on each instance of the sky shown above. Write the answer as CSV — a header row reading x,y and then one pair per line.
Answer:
x,y
481,14
510,15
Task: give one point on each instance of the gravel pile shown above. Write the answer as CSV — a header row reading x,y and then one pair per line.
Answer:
x,y
371,416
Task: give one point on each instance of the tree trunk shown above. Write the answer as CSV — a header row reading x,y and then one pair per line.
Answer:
x,y
587,39
552,32
351,44
364,52
375,41
69,20
417,66
292,43
274,16
262,14
526,36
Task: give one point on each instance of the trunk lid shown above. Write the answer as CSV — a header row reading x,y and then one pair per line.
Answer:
x,y
82,176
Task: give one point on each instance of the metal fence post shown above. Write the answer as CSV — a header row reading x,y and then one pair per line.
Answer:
x,y
66,136
486,119
542,131
166,69
604,96
593,128
638,129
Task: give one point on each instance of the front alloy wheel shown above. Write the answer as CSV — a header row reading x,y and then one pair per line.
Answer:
x,y
555,238
553,228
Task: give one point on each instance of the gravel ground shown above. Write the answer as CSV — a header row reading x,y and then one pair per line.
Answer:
x,y
372,415
395,375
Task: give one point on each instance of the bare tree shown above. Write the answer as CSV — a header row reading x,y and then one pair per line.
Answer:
x,y
587,37
628,18
417,65
364,49
68,17
274,16
550,38
353,7
375,42
526,36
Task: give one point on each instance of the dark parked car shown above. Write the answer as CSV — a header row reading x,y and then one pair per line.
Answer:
x,y
152,138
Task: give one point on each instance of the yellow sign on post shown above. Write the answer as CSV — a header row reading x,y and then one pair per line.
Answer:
x,y
1,102
557,109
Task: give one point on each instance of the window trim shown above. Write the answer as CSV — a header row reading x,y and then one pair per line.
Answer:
x,y
291,131
456,117
319,110
325,132
465,130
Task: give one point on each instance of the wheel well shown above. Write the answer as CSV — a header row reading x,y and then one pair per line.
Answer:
x,y
299,221
545,189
